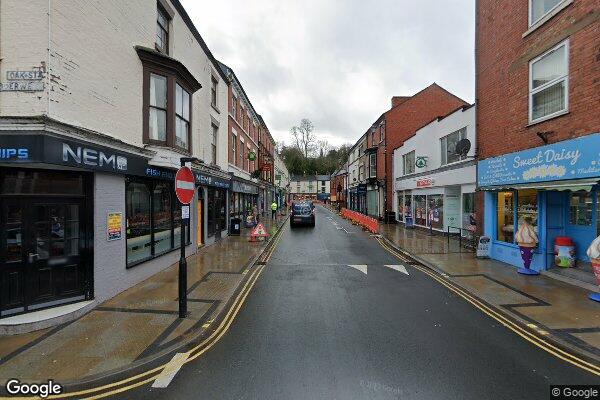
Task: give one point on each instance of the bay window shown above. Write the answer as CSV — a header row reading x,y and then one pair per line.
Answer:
x,y
158,108
167,99
549,83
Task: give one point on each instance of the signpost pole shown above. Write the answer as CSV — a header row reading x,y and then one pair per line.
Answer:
x,y
182,260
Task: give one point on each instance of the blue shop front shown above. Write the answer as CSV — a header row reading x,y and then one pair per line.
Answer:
x,y
555,186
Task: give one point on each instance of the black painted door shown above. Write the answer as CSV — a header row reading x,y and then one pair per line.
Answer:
x,y
41,253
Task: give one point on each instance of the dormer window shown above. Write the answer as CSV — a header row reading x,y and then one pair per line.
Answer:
x,y
162,30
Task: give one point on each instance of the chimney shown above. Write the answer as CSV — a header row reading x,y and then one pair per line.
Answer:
x,y
397,100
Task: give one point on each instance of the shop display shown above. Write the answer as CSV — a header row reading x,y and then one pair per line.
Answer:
x,y
564,252
527,240
593,253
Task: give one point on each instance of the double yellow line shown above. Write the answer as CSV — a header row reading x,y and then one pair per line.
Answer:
x,y
531,337
151,375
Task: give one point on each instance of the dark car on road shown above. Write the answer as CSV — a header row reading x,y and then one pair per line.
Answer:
x,y
302,213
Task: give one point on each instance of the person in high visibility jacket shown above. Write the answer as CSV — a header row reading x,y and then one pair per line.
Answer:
x,y
274,210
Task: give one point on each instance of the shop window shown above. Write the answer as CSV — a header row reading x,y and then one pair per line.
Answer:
x,y
41,182
506,217
548,83
400,206
581,208
153,220
435,211
448,145
161,210
408,161
420,210
139,246
527,207
469,222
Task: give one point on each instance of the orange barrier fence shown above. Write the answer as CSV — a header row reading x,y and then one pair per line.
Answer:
x,y
371,224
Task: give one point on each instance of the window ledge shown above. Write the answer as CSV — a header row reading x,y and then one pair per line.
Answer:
x,y
548,118
215,108
547,17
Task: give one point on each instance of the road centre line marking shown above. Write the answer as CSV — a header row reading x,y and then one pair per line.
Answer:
x,y
166,376
529,336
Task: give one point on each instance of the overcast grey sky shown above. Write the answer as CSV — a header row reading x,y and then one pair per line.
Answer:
x,y
338,62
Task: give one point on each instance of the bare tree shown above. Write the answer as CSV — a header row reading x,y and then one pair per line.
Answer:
x,y
304,136
323,147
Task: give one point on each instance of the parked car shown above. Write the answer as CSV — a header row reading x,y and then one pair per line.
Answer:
x,y
302,213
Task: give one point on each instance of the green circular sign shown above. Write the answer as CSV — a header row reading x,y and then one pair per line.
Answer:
x,y
421,162
251,156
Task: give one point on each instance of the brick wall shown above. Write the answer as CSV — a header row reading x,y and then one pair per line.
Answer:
x,y
402,122
245,129
502,63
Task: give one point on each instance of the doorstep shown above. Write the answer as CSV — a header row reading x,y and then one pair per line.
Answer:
x,y
42,319
582,275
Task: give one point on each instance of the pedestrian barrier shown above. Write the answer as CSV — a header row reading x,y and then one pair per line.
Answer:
x,y
370,224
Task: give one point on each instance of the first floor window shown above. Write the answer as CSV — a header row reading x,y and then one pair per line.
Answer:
x,y
448,145
182,117
213,145
408,162
372,165
549,83
158,108
234,148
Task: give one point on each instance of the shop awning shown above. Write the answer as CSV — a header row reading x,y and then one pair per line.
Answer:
x,y
574,185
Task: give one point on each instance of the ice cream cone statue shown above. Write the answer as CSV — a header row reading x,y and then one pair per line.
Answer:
x,y
527,240
594,254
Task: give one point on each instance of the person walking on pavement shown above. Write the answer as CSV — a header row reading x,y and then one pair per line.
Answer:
x,y
273,210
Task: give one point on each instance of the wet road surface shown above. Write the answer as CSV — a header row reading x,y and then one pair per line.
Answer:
x,y
316,328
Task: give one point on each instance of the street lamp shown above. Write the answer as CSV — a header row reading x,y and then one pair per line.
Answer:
x,y
182,260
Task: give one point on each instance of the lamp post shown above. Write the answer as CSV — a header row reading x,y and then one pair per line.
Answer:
x,y
182,260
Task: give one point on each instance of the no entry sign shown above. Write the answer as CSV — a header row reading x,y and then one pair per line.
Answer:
x,y
185,185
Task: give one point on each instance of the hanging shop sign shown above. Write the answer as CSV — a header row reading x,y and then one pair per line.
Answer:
x,y
421,162
251,156
267,167
570,159
114,222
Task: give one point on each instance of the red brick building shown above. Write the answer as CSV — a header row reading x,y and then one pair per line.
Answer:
x,y
538,95
338,181
401,122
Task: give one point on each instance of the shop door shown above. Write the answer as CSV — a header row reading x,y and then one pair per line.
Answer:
x,y
40,252
555,222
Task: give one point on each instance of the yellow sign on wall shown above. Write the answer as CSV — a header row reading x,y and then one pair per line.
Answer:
x,y
114,223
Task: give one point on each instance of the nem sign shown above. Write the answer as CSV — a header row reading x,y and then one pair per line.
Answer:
x,y
570,159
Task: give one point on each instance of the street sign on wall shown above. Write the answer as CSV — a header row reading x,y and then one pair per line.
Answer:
x,y
185,185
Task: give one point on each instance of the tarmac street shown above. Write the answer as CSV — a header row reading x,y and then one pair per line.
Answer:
x,y
334,315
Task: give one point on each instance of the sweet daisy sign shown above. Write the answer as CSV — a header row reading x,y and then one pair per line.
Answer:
x,y
570,159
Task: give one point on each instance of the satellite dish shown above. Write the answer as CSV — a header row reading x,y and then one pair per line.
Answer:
x,y
462,147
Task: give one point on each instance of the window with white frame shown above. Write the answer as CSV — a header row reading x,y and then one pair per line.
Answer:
x,y
448,145
382,132
241,152
549,83
234,147
213,91
213,145
372,165
408,162
539,8
234,107
361,172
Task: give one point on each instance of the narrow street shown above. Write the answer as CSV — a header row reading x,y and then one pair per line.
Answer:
x,y
316,326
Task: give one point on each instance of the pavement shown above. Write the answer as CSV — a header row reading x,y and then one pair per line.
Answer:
x,y
139,326
560,311
334,314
